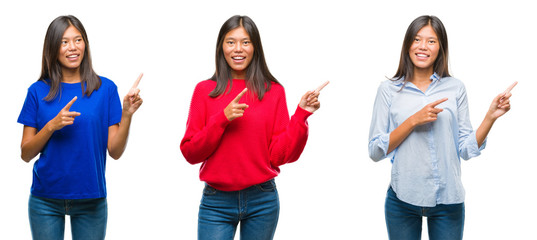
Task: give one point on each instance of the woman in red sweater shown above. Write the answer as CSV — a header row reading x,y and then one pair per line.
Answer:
x,y
239,129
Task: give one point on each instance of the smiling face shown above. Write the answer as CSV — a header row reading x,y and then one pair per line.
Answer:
x,y
424,50
238,51
72,49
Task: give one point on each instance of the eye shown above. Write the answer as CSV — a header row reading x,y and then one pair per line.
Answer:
x,y
416,39
64,42
79,40
246,42
432,41
230,42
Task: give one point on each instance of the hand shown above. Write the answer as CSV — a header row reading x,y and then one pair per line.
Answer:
x,y
235,109
310,100
427,114
501,104
64,117
132,101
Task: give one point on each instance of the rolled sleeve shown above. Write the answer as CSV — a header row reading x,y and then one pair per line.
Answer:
x,y
379,135
470,148
378,147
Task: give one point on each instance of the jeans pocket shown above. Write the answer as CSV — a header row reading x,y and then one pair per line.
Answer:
x,y
208,190
268,186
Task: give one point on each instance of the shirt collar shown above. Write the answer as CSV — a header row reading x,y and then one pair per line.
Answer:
x,y
398,82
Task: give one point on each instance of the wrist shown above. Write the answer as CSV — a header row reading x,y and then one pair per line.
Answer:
x,y
49,127
126,114
489,118
412,123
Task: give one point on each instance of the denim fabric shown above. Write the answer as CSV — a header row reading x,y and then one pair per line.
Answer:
x,y
404,221
47,218
256,208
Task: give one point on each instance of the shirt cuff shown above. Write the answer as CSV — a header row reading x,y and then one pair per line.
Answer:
x,y
473,149
301,114
221,119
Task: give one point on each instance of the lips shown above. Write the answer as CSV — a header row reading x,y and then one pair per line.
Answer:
x,y
238,59
422,56
73,57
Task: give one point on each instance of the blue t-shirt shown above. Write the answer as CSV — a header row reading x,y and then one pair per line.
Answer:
x,y
72,163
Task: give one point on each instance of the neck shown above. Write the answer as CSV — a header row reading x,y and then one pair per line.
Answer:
x,y
71,75
422,75
238,74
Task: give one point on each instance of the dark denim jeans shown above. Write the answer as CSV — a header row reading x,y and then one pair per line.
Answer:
x,y
404,221
47,218
256,208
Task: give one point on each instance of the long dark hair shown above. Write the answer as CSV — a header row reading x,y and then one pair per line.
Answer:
x,y
406,67
258,76
51,69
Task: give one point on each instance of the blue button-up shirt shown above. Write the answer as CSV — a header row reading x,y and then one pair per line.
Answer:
x,y
426,167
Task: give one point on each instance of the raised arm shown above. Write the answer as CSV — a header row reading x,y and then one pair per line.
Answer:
x,y
499,106
290,136
119,133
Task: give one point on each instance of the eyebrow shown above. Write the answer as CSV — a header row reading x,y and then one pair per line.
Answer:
x,y
77,36
232,38
417,35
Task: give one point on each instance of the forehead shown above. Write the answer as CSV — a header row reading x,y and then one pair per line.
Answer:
x,y
426,32
71,32
237,33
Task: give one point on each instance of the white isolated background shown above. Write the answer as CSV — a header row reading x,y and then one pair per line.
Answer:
x,y
334,191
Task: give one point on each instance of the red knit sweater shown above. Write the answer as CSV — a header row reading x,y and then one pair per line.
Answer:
x,y
248,150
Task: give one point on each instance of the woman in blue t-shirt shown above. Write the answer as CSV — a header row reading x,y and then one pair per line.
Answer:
x,y
71,116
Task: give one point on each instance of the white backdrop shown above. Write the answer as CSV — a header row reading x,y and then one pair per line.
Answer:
x,y
334,191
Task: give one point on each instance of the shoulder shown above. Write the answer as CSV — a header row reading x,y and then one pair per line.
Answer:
x,y
389,86
105,82
454,83
276,87
39,85
206,84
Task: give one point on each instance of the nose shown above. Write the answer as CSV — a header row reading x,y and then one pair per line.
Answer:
x,y
71,45
238,47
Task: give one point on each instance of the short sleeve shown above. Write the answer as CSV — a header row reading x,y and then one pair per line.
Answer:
x,y
114,105
28,115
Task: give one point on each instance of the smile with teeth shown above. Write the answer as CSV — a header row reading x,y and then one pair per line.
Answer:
x,y
421,55
72,56
238,58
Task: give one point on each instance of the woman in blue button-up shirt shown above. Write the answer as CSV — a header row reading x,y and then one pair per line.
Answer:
x,y
421,123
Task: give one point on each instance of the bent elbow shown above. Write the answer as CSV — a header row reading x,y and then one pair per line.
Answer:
x,y
375,157
376,153
26,158
115,156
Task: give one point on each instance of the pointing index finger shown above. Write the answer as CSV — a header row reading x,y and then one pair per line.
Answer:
x,y
435,103
135,85
69,104
322,86
238,97
510,87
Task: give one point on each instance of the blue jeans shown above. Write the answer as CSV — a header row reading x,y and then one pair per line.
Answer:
x,y
444,221
47,218
256,208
